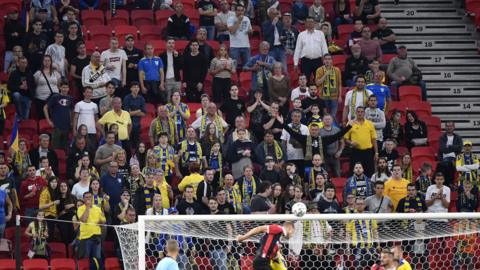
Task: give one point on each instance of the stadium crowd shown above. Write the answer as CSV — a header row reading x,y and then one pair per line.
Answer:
x,y
253,113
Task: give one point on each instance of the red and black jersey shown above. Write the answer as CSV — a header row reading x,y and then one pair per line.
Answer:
x,y
270,242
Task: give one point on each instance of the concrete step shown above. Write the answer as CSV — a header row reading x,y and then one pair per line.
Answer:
x,y
447,62
418,2
438,93
440,47
451,76
419,12
467,108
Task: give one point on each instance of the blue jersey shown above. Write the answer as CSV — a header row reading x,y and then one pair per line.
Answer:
x,y
151,68
167,263
382,92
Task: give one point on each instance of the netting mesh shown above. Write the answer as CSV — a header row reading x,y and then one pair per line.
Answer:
x,y
316,244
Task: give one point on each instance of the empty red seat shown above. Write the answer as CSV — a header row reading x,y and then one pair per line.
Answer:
x,y
58,249
339,61
472,6
162,15
83,264
433,139
28,126
422,151
119,18
421,108
35,264
121,31
109,249
192,15
62,264
386,58
141,17
112,263
410,93
8,4
433,123
100,31
344,31
92,17
91,46
180,45
339,182
7,264
150,32
44,126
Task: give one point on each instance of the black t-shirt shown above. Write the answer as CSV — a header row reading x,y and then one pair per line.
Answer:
x,y
307,102
260,204
226,208
71,48
368,7
381,33
123,170
232,108
327,207
187,208
7,184
80,64
391,157
207,6
133,57
60,108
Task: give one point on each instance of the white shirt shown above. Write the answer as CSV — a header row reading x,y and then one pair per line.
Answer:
x,y
294,153
310,45
170,73
78,190
240,39
358,102
86,115
57,52
449,143
296,93
377,117
116,59
223,18
437,206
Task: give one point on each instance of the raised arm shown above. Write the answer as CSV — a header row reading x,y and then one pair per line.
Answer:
x,y
252,232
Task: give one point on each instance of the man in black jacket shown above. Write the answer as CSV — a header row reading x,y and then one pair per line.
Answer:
x,y
205,189
34,45
21,84
178,25
76,152
355,65
450,146
44,150
171,68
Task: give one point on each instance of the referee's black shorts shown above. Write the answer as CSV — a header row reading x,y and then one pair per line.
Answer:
x,y
260,263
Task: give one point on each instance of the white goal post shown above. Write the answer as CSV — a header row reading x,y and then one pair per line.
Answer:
x,y
401,227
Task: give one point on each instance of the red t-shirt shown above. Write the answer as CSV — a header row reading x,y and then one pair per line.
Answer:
x,y
26,187
270,242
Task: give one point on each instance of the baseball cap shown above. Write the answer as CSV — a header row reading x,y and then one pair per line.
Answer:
x,y
129,36
467,143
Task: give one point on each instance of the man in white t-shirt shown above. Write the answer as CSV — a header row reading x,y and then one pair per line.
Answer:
x,y
357,97
115,61
57,52
86,113
301,91
437,197
239,28
294,148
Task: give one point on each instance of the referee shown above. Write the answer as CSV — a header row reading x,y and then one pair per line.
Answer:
x,y
169,262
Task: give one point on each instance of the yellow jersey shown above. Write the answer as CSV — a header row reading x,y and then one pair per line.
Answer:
x,y
123,121
362,134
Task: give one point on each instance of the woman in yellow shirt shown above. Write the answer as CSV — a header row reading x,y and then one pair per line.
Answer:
x,y
49,199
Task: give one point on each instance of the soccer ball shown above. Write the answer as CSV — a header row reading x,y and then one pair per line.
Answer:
x,y
299,209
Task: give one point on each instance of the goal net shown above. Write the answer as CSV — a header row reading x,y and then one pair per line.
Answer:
x,y
323,241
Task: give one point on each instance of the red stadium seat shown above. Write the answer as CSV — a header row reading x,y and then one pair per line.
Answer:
x,y
83,264
62,264
339,182
421,108
120,18
58,249
388,57
189,4
7,4
91,46
192,15
159,46
433,123
92,17
162,15
7,264
215,45
109,249
181,45
328,5
99,31
422,151
35,264
193,107
472,6
112,263
44,127
28,126
151,110
150,32
142,17
121,31
433,139
339,61
410,93
344,31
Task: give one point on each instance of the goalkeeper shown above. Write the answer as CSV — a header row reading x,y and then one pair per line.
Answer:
x,y
268,255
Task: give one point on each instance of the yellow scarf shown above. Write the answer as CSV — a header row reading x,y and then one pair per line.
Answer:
x,y
248,190
186,154
218,123
220,165
354,101
235,198
276,148
178,121
164,159
170,130
330,83
5,100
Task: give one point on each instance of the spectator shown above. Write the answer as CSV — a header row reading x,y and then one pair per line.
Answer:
x,y
193,179
214,160
77,63
394,130
47,80
261,66
211,116
115,61
135,179
30,190
270,148
467,165
239,28
112,183
378,202
140,155
334,150
402,70
272,30
133,57
44,169
223,205
44,150
343,14
91,217
95,76
329,82
367,10
355,65
370,47
389,153
240,153
437,200
396,187
424,180
85,114
144,196
234,195
106,153
66,210
165,155
34,44
261,203
190,151
311,100
152,76
207,10
180,113
301,92
48,27
412,203
307,49
58,112
356,35
38,6
187,205
122,118
300,12
85,163
194,73
248,186
353,101
21,84
221,68
317,12
221,20
134,104
312,172
416,131
233,106
206,188
295,152
123,166
178,25
38,232
6,209
270,171
377,117
450,146
48,203
385,36
203,47
162,124
468,198
20,162
83,184
373,68
279,87
240,123
69,17
57,53
327,203
358,184
289,35
157,208
381,91
14,33
362,139
172,61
